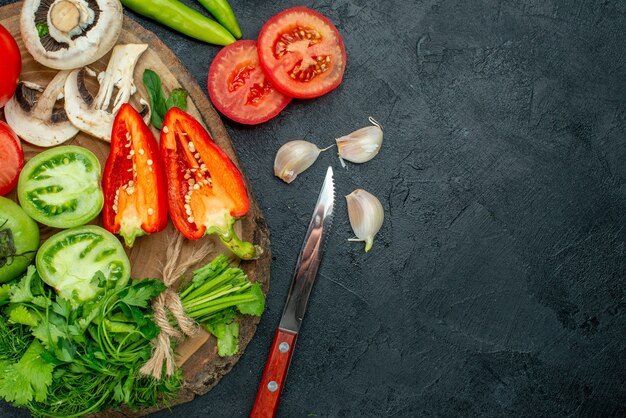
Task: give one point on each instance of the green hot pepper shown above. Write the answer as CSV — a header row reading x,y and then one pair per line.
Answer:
x,y
221,10
183,19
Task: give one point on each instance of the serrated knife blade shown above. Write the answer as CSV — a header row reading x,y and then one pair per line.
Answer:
x,y
275,372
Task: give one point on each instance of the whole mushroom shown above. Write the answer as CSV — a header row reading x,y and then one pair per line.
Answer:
x,y
66,34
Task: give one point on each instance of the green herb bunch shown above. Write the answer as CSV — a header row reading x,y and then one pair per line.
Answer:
x,y
216,295
64,360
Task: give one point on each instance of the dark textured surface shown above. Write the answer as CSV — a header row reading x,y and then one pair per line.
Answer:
x,y
496,286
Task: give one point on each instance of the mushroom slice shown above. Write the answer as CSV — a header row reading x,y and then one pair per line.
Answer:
x,y
91,114
67,34
39,121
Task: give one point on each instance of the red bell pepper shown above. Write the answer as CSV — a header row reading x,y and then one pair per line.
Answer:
x,y
206,191
135,199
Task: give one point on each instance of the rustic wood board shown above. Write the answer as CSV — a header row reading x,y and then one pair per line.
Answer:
x,y
202,368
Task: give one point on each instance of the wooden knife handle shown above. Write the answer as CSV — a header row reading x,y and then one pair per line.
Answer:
x,y
274,376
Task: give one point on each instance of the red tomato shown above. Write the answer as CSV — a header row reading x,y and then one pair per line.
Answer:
x,y
302,53
11,159
11,66
239,88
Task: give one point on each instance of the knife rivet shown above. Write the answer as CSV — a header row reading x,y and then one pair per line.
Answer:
x,y
283,347
272,386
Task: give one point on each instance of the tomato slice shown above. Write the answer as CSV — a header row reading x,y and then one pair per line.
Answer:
x,y
302,53
19,240
11,158
135,195
69,260
60,187
238,87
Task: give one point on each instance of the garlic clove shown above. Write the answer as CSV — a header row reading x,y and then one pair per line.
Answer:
x,y
361,145
366,216
293,158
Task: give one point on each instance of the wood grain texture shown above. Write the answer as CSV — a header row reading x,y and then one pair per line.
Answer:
x,y
274,375
202,367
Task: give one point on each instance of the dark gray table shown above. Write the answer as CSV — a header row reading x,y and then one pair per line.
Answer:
x,y
496,286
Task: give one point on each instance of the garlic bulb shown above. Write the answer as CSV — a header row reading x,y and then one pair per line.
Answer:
x,y
361,145
293,158
366,216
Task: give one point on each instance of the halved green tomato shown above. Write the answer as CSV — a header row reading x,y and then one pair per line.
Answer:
x,y
60,187
70,260
19,240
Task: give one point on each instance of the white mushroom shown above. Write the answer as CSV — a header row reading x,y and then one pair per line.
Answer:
x,y
67,34
39,121
92,115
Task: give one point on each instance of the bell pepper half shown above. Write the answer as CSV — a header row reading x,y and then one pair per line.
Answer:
x,y
134,183
206,191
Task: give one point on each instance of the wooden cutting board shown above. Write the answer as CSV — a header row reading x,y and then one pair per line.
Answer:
x,y
202,367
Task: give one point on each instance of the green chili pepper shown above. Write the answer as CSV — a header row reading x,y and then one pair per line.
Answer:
x,y
183,19
221,10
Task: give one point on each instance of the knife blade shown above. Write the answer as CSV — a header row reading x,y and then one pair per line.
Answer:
x,y
275,373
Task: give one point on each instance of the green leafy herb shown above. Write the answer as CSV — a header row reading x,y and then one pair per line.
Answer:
x,y
257,305
48,334
5,294
62,307
27,379
152,82
141,292
22,292
83,351
227,337
178,99
14,340
158,103
42,29
62,360
215,296
22,315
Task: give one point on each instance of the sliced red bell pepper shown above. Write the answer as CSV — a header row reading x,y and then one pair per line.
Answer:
x,y
206,191
134,183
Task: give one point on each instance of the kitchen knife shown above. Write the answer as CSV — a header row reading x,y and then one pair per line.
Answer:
x,y
311,253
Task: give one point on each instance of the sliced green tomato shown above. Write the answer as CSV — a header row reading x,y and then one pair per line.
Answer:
x,y
60,187
19,239
69,260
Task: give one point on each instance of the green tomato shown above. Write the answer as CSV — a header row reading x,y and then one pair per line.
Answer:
x,y
19,240
70,260
60,187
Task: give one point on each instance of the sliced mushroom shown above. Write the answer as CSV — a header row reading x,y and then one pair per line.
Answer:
x,y
91,115
40,121
67,34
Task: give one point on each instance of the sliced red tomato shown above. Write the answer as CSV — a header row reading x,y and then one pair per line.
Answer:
x,y
11,159
11,66
239,88
134,183
302,53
